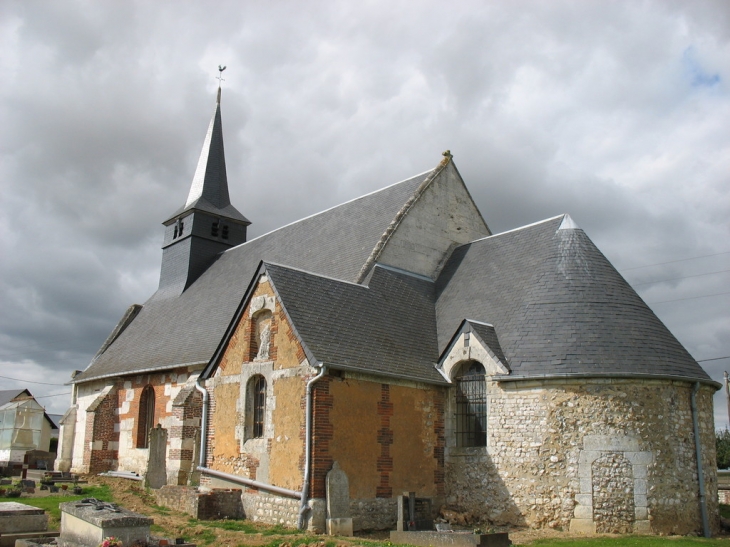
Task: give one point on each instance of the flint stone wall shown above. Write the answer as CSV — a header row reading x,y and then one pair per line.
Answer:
x,y
593,455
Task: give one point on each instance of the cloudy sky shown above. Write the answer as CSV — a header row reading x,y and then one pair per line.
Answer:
x,y
617,113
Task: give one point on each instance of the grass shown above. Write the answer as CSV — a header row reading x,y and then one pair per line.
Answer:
x,y
631,541
50,503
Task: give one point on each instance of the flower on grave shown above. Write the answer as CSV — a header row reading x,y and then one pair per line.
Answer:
x,y
111,541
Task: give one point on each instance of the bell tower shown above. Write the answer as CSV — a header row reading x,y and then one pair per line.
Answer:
x,y
207,224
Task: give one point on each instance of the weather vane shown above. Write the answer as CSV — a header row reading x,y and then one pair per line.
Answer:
x,y
221,68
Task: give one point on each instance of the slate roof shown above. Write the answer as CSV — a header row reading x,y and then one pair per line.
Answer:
x,y
209,190
187,329
387,327
558,307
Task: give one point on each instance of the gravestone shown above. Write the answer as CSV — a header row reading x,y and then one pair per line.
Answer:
x,y
156,476
414,513
339,521
88,522
19,521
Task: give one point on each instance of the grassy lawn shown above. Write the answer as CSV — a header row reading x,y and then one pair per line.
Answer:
x,y
631,541
206,533
50,503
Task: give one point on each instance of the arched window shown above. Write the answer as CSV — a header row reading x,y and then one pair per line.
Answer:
x,y
258,394
146,417
471,405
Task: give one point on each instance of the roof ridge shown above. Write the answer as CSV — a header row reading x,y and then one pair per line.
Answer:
x,y
330,209
314,274
517,229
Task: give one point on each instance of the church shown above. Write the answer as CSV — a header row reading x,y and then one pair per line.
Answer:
x,y
515,378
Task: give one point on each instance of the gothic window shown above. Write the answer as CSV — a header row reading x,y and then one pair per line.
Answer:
x,y
146,416
471,405
257,393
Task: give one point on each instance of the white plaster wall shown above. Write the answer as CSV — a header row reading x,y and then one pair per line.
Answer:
x,y
443,217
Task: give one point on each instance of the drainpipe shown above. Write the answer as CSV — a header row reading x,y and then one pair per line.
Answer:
x,y
203,423
700,473
303,507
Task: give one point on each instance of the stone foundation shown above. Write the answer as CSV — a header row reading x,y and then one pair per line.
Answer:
x,y
211,505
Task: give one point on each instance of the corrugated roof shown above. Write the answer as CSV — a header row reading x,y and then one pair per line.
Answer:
x,y
186,329
558,307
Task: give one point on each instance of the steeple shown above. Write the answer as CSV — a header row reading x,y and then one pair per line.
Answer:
x,y
207,224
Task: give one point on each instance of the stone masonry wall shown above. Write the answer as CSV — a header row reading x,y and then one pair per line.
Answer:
x,y
596,455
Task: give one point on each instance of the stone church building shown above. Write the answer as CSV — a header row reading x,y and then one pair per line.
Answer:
x,y
513,377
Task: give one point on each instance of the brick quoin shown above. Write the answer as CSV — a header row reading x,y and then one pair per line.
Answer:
x,y
439,429
385,439
322,434
101,426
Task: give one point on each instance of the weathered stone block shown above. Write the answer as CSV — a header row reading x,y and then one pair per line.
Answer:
x,y
339,527
85,524
584,512
642,527
582,526
611,443
584,499
641,513
18,518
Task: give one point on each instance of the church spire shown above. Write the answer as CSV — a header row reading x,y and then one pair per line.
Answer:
x,y
207,224
209,189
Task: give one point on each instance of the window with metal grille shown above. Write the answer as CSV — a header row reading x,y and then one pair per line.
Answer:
x,y
471,405
259,405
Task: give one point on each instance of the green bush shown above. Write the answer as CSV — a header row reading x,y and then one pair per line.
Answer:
x,y
722,444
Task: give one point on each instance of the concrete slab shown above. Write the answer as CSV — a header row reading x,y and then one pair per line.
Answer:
x,y
451,539
87,524
19,517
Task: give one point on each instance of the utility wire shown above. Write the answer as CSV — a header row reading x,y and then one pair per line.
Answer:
x,y
689,298
54,395
676,278
30,381
673,261
714,359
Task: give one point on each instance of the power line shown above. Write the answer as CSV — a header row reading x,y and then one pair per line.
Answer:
x,y
676,278
30,381
673,261
54,395
689,298
714,359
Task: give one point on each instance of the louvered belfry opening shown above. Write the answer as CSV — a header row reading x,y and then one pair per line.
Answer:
x,y
471,405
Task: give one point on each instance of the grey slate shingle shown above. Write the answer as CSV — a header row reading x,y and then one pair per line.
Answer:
x,y
387,327
558,307
187,329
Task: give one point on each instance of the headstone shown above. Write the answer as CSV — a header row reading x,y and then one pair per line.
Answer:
x,y
19,521
156,476
413,513
339,521
18,517
88,522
